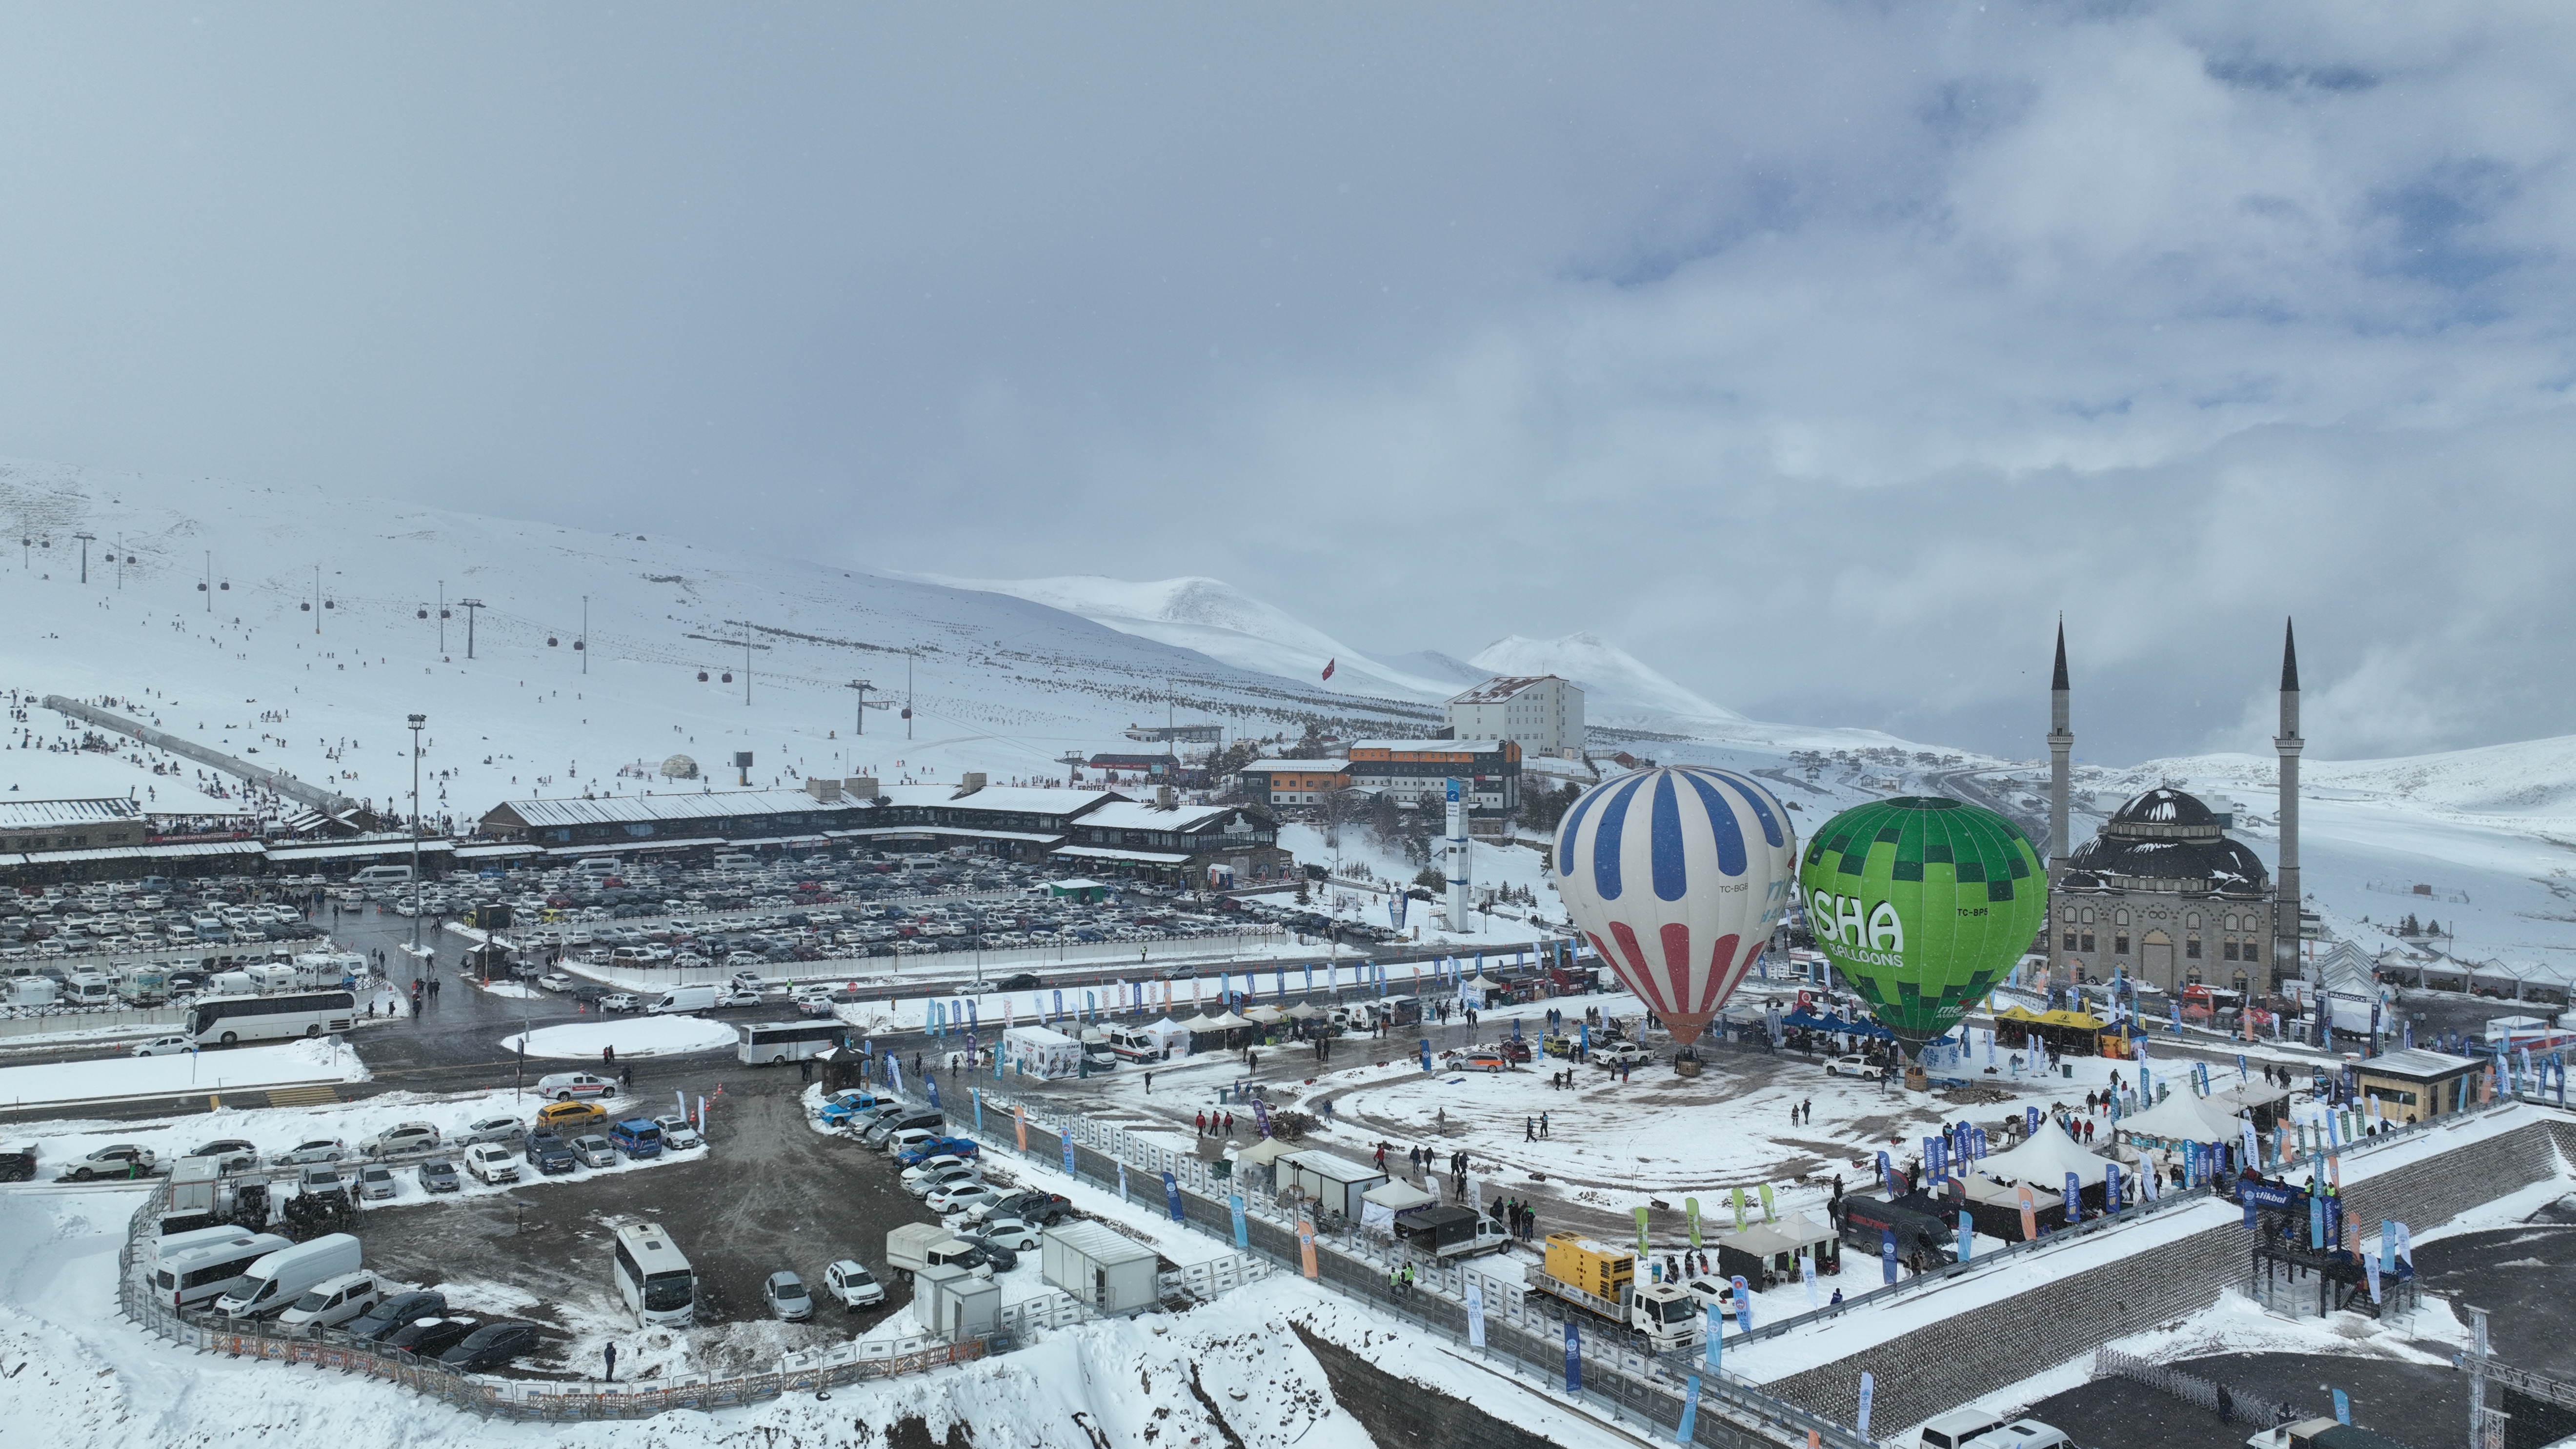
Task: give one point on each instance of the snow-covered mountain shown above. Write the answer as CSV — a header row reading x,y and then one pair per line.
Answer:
x,y
1220,621
1618,688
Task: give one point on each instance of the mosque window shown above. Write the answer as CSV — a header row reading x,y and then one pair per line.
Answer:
x,y
2088,941
2191,948
2120,944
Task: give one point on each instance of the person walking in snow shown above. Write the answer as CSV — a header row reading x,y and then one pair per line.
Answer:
x,y
1529,1129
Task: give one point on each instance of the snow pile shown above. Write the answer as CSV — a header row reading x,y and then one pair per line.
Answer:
x,y
107,1079
638,1036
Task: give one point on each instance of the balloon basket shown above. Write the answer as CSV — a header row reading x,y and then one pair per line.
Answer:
x,y
1686,1066
1915,1080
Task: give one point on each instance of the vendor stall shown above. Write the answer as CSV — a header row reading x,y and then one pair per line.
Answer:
x,y
1381,1205
1039,1051
2068,1033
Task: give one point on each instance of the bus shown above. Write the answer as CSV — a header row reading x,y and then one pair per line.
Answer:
x,y
202,1274
653,1277
763,1043
226,1020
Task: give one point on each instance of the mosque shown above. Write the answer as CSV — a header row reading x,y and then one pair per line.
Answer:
x,y
2164,894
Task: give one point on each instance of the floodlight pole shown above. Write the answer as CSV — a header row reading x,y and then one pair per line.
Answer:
x,y
416,722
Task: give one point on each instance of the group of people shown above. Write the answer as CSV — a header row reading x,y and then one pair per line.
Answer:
x,y
1222,1124
1517,1218
1534,1128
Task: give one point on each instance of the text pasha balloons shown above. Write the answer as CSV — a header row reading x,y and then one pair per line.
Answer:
x,y
1677,876
1922,905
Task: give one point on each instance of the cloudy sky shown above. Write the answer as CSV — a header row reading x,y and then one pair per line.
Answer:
x,y
1820,355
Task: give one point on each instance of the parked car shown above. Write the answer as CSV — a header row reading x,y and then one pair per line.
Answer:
x,y
954,1175
788,1298
593,1150
570,1116
550,1154
375,1183
491,1346
620,1001
960,1148
333,1301
565,1086
1013,1233
2023,1434
1861,1067
493,1129
1038,1209
677,1134
439,1176
320,1149
1003,1259
391,1314
122,1160
492,1163
165,1046
851,1283
963,1197
224,1147
402,1137
430,1337
556,981
1022,982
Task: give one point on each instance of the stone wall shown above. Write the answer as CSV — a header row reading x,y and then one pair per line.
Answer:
x,y
1927,1371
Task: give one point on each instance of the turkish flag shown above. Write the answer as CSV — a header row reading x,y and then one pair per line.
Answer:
x,y
1328,667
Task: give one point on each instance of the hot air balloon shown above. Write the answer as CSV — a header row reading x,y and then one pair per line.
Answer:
x,y
1922,905
1677,876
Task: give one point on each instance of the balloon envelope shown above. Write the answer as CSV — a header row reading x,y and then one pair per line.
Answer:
x,y
1922,905
1677,876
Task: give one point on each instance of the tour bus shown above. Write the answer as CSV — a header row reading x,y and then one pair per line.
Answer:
x,y
653,1277
763,1043
201,1274
226,1020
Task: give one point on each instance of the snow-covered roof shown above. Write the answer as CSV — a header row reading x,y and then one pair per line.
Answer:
x,y
1428,747
46,814
1119,852
2043,1162
2184,1117
1021,799
679,805
1495,691
1137,815
2417,1064
1325,767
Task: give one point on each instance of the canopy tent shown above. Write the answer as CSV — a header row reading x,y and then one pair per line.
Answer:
x,y
2183,1117
1040,1052
1760,1239
2069,1031
2044,1161
1389,1200
1233,1021
1803,1231
1262,1153
1203,1025
1265,1016
1828,1022
1170,1036
1471,992
1305,1012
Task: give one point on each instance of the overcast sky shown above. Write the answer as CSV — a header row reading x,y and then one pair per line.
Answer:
x,y
1819,355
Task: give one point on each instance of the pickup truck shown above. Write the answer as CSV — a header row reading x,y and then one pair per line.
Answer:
x,y
1450,1232
842,1108
1619,1054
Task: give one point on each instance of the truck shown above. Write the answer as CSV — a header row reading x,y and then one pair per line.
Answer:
x,y
1602,1281
680,1000
915,1246
144,986
1450,1232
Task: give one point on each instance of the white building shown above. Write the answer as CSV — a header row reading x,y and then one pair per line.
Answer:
x,y
1541,713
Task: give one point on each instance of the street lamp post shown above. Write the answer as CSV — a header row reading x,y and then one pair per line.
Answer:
x,y
416,722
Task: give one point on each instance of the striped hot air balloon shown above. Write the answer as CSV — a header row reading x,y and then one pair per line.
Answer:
x,y
1677,876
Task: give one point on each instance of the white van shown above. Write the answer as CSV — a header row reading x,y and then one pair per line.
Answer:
x,y
1957,1427
680,1000
333,1301
597,865
231,983
1133,1045
381,874
201,1274
269,980
89,991
736,860
274,1283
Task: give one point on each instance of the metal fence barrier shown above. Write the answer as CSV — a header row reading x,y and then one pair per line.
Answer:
x,y
2193,1389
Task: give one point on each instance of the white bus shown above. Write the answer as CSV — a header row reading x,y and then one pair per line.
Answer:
x,y
226,1020
766,1042
198,1275
653,1276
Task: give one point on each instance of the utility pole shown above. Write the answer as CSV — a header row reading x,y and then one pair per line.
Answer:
x,y
85,539
469,606
859,716
416,722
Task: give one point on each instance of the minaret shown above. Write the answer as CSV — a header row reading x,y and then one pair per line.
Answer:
x,y
2061,743
2285,880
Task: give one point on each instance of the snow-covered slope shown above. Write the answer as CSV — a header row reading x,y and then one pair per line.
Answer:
x,y
1220,621
1618,688
1001,684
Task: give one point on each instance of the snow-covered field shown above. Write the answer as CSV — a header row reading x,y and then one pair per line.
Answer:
x,y
107,1079
634,1036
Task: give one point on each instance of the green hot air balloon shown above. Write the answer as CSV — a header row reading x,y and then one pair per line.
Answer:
x,y
1922,905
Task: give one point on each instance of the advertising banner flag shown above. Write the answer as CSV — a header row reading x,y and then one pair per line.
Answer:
x,y
2316,1220
2111,1188
1172,1194
1020,1126
1887,1254
1242,1231
931,1085
1475,1310
2343,1407
2405,1246
2029,1214
1067,1138
1122,1179
1807,1270
1977,1141
1737,1194
2074,1199
1059,1005
1426,1055
2030,1121
1642,1249
1261,1115
1868,1390
1690,1218
1743,1304
1767,1215
894,1075
1967,1235
1887,1174
1306,1245
1573,1358
978,1095
1690,1410
2370,1270
1716,1336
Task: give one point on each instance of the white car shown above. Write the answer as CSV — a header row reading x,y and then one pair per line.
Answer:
x,y
941,1163
2022,1434
1861,1067
620,1001
945,1177
1010,1233
494,1129
556,981
402,1137
677,1134
492,1163
320,1149
965,1197
565,1086
163,1046
852,1284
